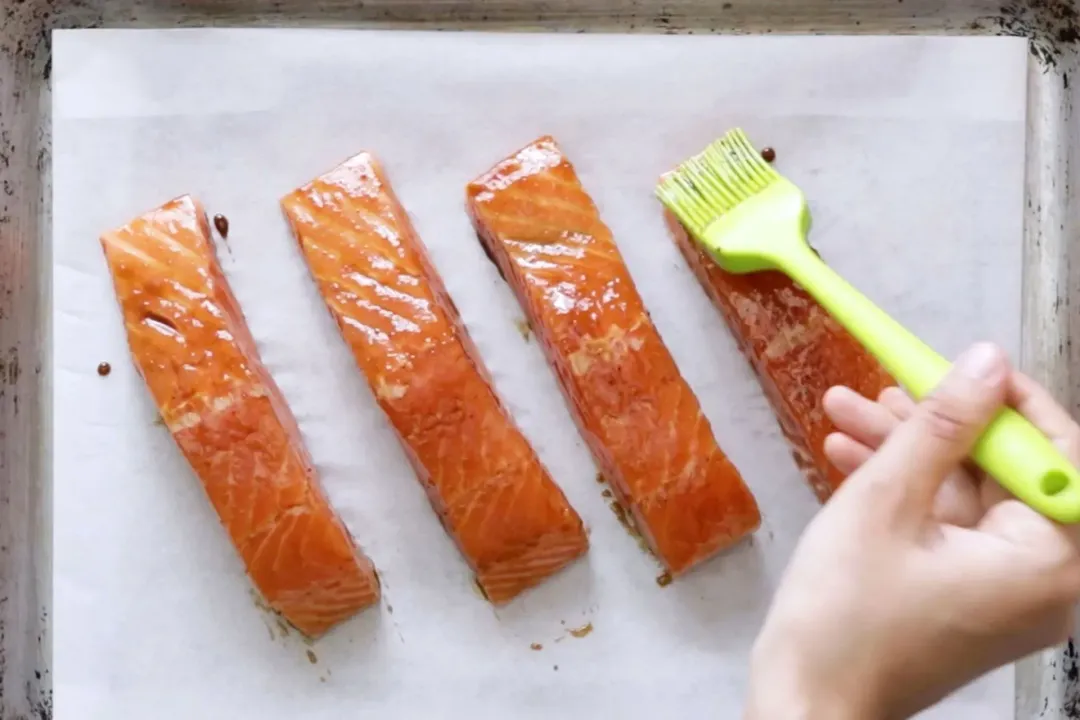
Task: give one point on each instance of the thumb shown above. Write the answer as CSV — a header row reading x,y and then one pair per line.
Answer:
x,y
940,433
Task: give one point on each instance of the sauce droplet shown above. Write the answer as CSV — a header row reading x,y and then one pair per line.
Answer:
x,y
536,646
104,369
222,224
312,658
664,579
582,631
768,154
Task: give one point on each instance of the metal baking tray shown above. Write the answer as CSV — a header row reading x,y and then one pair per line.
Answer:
x,y
1047,686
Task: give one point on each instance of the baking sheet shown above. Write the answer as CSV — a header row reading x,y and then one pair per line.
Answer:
x,y
911,150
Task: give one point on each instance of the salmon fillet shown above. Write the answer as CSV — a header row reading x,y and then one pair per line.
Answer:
x,y
509,519
640,419
192,346
796,349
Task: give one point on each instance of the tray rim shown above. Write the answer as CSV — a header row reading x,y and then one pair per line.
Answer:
x,y
1051,272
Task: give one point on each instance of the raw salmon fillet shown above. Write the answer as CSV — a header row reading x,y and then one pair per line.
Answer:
x,y
796,349
192,346
636,412
509,519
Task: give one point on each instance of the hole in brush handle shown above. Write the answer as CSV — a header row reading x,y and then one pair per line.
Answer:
x,y
1053,482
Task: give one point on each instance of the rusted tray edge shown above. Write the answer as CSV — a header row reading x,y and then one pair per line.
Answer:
x,y
1051,274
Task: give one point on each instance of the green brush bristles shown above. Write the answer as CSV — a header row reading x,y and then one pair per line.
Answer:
x,y
715,181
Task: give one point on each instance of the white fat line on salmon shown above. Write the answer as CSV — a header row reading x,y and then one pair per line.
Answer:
x,y
219,404
389,391
610,347
171,243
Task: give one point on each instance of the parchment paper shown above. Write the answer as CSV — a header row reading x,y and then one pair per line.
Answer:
x,y
911,150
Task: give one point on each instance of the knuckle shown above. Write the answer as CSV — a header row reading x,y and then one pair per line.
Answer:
x,y
943,421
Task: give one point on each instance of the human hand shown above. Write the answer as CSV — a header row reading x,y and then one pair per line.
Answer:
x,y
919,574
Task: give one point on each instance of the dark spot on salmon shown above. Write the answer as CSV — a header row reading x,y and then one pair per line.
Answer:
x,y
104,369
312,658
664,579
221,224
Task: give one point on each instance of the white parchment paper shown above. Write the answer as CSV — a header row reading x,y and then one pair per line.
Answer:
x,y
911,150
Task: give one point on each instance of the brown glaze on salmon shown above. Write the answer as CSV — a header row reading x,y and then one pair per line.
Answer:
x,y
639,417
796,349
192,346
510,520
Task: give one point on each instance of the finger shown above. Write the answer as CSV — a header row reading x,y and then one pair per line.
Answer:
x,y
897,401
900,404
1035,403
845,453
863,420
958,501
926,448
991,493
1032,572
1014,521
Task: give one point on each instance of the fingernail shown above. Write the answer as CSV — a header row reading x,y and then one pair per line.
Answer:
x,y
982,362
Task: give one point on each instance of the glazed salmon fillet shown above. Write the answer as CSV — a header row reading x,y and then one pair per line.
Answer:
x,y
796,349
192,346
640,419
510,521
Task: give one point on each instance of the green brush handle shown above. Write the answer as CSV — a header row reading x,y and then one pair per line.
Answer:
x,y
1011,449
